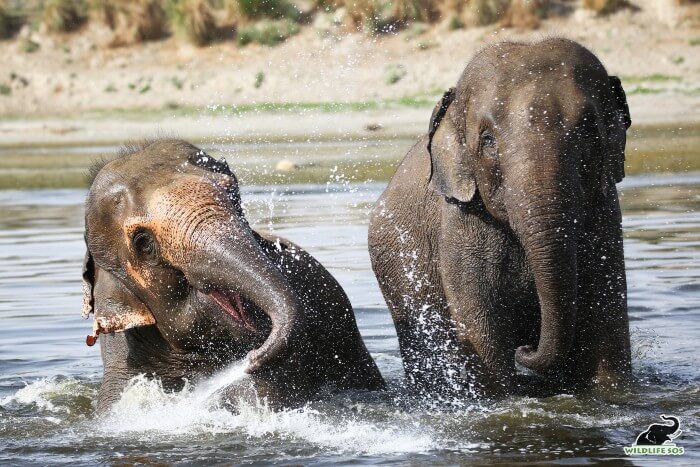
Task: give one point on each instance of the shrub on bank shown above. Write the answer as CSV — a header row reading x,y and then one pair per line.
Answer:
x,y
247,10
384,15
603,7
523,14
194,19
202,21
63,15
267,32
131,21
5,21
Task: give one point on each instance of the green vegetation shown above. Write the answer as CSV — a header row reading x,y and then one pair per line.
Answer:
x,y
655,78
259,78
5,90
267,32
373,16
246,10
145,113
644,90
395,72
694,41
425,45
177,82
455,23
194,19
5,21
28,46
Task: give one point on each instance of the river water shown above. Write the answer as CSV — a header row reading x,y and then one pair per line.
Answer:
x,y
49,378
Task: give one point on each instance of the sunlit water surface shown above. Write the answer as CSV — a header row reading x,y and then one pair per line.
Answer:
x,y
49,378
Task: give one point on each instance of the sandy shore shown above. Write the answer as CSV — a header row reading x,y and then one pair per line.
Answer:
x,y
47,93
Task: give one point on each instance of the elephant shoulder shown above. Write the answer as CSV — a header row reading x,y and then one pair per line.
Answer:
x,y
408,188
406,199
414,169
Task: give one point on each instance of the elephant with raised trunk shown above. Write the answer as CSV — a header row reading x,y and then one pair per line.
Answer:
x,y
659,433
499,239
180,285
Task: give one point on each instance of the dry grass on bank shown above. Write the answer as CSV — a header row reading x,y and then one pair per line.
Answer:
x,y
269,22
204,21
130,21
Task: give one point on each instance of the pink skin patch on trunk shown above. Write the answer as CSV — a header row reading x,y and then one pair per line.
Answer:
x,y
233,305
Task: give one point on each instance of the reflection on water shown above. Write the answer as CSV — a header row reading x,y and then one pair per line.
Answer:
x,y
48,377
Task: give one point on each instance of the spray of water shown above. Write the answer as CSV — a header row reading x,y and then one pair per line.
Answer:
x,y
146,408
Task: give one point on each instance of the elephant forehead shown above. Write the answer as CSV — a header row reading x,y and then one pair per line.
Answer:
x,y
531,105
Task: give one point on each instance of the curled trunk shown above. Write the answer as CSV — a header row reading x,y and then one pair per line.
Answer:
x,y
547,229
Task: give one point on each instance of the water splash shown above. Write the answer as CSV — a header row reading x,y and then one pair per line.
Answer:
x,y
146,408
52,394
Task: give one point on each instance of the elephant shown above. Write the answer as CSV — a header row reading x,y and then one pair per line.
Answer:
x,y
181,286
498,240
658,433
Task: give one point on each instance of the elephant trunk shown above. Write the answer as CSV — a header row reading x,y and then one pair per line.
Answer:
x,y
546,226
214,247
676,424
238,265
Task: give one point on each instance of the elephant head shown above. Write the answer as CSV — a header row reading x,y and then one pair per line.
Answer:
x,y
168,246
533,138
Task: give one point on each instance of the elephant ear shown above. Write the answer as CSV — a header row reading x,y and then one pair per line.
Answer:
x,y
88,284
449,175
618,120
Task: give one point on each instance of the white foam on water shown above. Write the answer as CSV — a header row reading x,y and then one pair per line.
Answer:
x,y
44,392
147,409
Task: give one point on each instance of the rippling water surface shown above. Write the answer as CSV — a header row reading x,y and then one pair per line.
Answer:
x,y
49,378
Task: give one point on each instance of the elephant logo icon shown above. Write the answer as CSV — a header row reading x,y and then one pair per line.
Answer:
x,y
659,433
657,439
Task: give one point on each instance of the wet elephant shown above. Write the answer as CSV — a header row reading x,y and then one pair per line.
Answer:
x,y
180,284
499,239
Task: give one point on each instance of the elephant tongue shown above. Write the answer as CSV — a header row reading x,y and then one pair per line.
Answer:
x,y
233,305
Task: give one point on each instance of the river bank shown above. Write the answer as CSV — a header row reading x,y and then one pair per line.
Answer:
x,y
287,147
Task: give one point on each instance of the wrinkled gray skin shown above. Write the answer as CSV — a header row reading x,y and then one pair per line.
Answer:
x,y
180,285
499,239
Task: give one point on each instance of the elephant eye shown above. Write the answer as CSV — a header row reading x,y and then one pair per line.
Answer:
x,y
487,140
145,245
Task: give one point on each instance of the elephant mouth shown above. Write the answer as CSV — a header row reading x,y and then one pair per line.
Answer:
x,y
236,307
